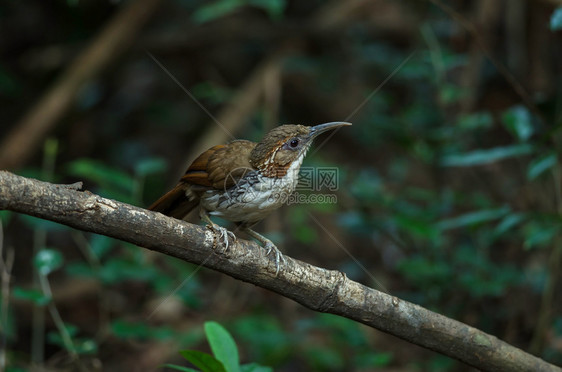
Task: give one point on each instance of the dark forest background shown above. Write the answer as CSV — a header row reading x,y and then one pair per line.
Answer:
x,y
449,190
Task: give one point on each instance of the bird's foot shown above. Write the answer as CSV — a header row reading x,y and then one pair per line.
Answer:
x,y
270,247
222,236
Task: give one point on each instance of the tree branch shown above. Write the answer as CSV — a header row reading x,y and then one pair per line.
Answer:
x,y
313,287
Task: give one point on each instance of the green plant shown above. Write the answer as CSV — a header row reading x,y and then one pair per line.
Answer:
x,y
225,356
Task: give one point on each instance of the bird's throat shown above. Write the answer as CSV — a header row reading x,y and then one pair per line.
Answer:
x,y
272,167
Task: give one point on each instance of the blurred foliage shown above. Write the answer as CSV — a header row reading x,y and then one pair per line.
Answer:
x,y
220,8
449,187
225,356
556,20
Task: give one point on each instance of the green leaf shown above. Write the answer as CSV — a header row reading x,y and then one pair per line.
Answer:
x,y
51,147
451,93
274,8
424,272
101,245
85,346
33,295
221,8
373,360
441,363
223,346
80,345
47,260
473,218
254,367
265,336
539,234
149,166
416,226
211,92
216,10
305,234
475,121
508,223
180,368
140,331
71,329
488,279
556,20
541,165
323,359
479,157
203,361
518,121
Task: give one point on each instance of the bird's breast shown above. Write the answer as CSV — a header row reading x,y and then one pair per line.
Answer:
x,y
253,197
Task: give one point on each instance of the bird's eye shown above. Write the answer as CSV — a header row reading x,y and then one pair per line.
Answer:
x,y
294,143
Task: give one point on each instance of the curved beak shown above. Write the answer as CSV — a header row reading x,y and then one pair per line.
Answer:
x,y
321,128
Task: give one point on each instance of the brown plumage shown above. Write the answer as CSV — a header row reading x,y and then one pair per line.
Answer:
x,y
217,168
243,181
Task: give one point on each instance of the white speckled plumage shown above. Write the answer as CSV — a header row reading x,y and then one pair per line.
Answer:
x,y
253,197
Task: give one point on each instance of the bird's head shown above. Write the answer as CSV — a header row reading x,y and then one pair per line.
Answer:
x,y
286,144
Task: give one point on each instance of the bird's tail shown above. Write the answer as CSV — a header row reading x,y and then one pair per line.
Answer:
x,y
176,203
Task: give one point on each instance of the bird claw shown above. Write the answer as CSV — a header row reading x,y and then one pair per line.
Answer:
x,y
270,247
222,235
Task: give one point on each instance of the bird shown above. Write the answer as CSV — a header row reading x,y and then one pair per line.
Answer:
x,y
243,181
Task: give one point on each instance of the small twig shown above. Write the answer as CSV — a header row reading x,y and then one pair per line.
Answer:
x,y
59,323
5,273
66,338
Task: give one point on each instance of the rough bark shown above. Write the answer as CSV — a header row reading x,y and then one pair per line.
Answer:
x,y
316,288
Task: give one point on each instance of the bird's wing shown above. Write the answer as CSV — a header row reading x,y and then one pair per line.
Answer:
x,y
197,173
221,166
179,201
